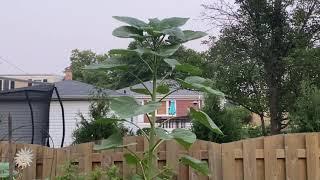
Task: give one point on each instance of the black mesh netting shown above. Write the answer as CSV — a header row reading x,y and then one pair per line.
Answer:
x,y
29,109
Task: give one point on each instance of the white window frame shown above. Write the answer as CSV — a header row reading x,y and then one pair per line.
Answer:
x,y
10,84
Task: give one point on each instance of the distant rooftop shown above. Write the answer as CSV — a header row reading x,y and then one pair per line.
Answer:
x,y
76,90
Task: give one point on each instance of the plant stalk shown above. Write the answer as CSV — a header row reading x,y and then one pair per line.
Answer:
x,y
152,161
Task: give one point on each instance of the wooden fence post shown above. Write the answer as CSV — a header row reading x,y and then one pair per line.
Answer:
x,y
11,166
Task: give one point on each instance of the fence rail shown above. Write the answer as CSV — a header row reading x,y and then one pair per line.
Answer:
x,y
291,157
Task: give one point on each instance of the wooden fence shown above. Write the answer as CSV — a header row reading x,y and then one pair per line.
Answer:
x,y
291,157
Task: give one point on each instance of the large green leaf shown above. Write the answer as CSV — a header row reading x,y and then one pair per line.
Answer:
x,y
176,32
163,134
110,63
199,84
167,51
131,21
140,91
171,62
112,142
191,35
198,165
127,32
4,169
184,137
173,22
126,107
131,159
122,52
137,177
204,119
163,89
187,68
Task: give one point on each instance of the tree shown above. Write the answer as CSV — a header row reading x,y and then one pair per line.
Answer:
x,y
231,121
157,40
117,80
305,116
79,59
237,75
264,33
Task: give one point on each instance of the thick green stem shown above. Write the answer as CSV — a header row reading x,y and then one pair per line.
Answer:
x,y
152,161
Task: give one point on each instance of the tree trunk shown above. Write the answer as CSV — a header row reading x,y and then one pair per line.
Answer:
x,y
263,126
274,110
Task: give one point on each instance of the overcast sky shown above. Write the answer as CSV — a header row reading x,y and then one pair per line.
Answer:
x,y
38,35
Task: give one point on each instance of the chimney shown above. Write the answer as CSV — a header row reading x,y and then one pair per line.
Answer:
x,y
68,73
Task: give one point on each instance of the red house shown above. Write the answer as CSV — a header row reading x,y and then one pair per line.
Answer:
x,y
175,106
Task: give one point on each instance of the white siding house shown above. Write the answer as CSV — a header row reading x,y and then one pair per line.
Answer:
x,y
72,109
75,97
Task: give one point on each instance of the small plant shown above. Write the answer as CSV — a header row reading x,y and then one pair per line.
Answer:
x,y
157,41
72,172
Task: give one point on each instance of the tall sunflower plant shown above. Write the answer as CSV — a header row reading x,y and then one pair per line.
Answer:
x,y
157,41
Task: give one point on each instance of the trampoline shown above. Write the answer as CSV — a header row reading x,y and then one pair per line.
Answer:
x,y
29,110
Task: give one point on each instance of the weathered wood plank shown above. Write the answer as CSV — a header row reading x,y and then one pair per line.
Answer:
x,y
228,161
291,158
312,149
215,161
249,160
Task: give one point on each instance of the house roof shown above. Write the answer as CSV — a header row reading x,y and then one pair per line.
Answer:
x,y
76,90
172,84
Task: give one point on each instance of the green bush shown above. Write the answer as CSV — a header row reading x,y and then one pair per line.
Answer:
x,y
230,120
305,116
97,126
96,129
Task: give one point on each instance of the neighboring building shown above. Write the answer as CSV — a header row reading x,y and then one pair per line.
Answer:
x,y
12,81
76,97
175,106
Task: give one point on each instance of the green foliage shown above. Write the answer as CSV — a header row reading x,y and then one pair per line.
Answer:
x,y
127,106
4,170
155,43
72,172
305,116
249,60
97,126
96,129
229,120
79,59
139,131
200,166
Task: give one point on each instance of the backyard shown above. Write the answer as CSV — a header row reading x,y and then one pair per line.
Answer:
x,y
246,108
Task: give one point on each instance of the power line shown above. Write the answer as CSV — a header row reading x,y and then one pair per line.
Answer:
x,y
13,65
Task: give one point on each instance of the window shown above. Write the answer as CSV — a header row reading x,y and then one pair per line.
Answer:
x,y
163,109
5,85
45,80
30,82
1,85
168,108
12,84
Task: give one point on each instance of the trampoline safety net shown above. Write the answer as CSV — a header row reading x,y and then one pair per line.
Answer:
x,y
29,109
